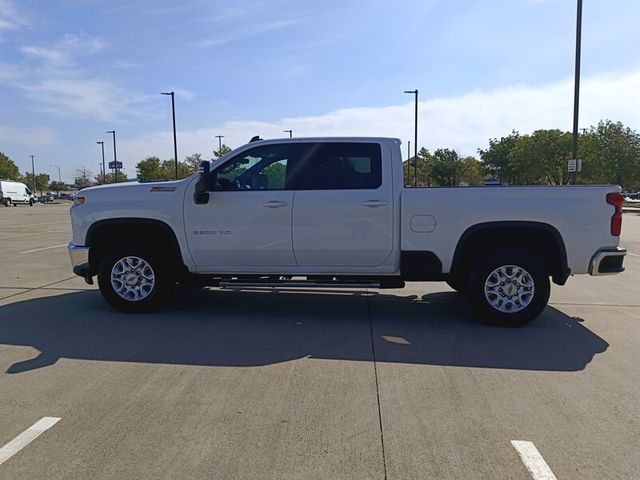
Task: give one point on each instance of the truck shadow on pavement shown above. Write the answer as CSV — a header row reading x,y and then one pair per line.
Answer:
x,y
256,328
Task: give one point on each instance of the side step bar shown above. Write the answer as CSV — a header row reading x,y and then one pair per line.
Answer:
x,y
296,284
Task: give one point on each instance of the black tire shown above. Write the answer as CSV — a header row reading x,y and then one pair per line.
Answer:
x,y
31,202
533,288
163,285
7,202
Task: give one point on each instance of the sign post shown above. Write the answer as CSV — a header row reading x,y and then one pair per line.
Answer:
x,y
574,165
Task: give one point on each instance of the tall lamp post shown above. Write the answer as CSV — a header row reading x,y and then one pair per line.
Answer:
x,y
219,137
173,111
290,132
115,158
576,92
415,140
59,178
104,171
408,159
33,174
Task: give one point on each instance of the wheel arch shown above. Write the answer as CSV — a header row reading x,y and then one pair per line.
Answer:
x,y
154,233
538,238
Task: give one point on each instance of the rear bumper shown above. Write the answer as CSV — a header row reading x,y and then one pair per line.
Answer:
x,y
607,261
79,256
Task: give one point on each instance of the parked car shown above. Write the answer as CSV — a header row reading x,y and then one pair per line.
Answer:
x,y
14,193
334,212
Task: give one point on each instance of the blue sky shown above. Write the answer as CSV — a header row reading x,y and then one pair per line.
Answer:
x,y
70,70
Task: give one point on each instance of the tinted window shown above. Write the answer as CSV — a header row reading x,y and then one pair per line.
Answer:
x,y
338,166
304,166
260,168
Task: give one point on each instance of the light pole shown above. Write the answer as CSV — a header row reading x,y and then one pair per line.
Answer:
x,y
115,158
576,92
33,174
104,171
219,137
408,159
55,166
415,140
175,144
290,132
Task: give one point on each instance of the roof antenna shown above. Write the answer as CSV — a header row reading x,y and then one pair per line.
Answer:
x,y
255,139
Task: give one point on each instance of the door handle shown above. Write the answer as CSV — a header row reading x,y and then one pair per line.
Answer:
x,y
274,204
374,203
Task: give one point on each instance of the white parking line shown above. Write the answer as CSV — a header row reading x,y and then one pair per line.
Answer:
x,y
532,459
633,254
26,437
32,234
45,248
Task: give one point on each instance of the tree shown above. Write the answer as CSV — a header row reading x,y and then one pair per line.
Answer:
x,y
83,178
169,167
446,168
42,181
57,186
496,158
542,157
192,162
152,168
110,178
474,171
611,154
221,151
424,162
8,169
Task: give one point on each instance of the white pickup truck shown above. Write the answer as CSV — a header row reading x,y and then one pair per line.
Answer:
x,y
333,212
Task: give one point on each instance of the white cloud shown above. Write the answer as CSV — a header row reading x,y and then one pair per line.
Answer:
x,y
241,33
90,98
465,122
64,51
39,136
59,85
10,16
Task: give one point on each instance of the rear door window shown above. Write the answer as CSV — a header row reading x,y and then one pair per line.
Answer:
x,y
338,166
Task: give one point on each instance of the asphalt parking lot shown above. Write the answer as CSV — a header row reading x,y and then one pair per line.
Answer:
x,y
396,384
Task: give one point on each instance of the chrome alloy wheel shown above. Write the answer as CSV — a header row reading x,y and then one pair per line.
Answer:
x,y
132,278
509,288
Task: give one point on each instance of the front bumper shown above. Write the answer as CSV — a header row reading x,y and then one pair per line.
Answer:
x,y
607,261
79,255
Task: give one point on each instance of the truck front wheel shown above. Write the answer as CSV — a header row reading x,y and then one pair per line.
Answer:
x,y
134,279
509,289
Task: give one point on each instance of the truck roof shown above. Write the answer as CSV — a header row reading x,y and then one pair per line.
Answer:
x,y
329,139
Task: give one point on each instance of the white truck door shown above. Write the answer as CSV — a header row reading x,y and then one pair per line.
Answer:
x,y
343,206
247,221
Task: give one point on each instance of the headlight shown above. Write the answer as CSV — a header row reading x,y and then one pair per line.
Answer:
x,y
78,201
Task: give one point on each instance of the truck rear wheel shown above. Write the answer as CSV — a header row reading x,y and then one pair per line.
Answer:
x,y
509,289
134,279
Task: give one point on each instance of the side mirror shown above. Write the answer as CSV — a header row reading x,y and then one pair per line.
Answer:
x,y
201,194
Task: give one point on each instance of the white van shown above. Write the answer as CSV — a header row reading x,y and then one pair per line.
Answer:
x,y
13,193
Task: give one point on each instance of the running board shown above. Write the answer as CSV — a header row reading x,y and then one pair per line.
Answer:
x,y
296,284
